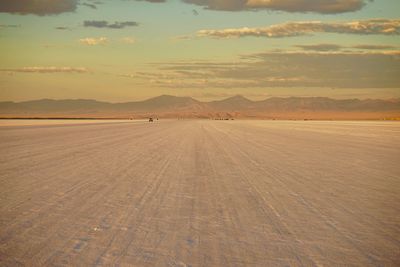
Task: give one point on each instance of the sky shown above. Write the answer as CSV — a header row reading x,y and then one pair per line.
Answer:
x,y
127,50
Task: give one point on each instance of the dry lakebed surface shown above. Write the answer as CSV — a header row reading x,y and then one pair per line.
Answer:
x,y
200,193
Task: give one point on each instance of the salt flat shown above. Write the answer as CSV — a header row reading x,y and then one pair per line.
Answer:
x,y
37,122
201,193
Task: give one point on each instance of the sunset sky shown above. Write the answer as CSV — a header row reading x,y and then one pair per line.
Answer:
x,y
124,50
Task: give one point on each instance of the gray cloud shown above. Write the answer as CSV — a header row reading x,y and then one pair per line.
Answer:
x,y
154,1
93,6
47,70
291,29
336,47
317,6
105,24
37,7
284,69
373,47
320,47
226,5
2,26
62,28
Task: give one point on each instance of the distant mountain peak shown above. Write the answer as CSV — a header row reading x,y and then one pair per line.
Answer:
x,y
170,97
165,96
238,97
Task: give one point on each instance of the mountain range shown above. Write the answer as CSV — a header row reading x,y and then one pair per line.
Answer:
x,y
167,106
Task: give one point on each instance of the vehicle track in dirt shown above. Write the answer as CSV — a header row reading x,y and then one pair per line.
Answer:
x,y
201,193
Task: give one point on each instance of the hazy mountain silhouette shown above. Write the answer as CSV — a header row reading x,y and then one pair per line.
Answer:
x,y
234,103
326,104
163,102
173,106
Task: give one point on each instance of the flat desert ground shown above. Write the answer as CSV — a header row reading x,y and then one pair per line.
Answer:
x,y
200,193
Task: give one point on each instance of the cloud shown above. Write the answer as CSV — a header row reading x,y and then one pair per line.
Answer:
x,y
336,47
94,41
105,24
226,5
3,26
291,29
154,1
373,47
316,6
320,47
181,38
91,3
47,70
37,7
104,40
334,69
62,28
303,6
92,6
128,40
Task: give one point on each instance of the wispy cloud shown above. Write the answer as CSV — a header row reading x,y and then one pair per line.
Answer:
x,y
336,47
62,28
338,69
47,70
128,40
374,47
91,41
92,6
300,28
94,41
41,8
154,1
302,6
105,24
320,47
2,26
317,6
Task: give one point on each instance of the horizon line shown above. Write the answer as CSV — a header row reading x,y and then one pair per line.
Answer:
x,y
201,101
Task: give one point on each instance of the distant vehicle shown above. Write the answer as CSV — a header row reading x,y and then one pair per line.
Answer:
x,y
150,119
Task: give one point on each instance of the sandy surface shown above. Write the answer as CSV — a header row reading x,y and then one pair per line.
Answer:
x,y
201,193
26,122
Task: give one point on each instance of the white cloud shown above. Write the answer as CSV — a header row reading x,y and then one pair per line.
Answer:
x,y
94,41
128,40
290,29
